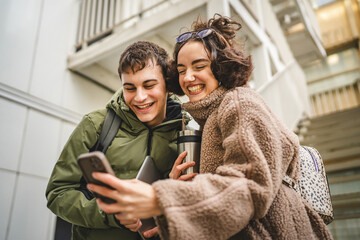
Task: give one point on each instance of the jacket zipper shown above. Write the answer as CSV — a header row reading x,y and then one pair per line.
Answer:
x,y
149,142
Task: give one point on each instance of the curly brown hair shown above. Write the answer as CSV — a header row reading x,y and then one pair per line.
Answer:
x,y
137,55
230,65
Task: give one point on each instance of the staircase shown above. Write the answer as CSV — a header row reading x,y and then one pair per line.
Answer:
x,y
337,137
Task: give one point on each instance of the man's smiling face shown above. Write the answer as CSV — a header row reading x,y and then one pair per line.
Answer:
x,y
145,93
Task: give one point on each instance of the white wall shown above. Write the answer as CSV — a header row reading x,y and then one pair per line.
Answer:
x,y
40,104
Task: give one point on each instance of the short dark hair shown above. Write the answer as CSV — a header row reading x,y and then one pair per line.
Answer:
x,y
230,65
137,55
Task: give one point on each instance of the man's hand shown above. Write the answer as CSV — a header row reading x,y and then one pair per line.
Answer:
x,y
150,233
132,224
135,224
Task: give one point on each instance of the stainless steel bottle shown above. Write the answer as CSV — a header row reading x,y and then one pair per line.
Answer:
x,y
190,141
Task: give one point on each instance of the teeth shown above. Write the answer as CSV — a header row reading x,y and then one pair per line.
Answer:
x,y
196,88
143,106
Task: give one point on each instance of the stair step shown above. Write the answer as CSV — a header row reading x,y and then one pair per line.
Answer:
x,y
334,117
336,166
336,136
331,122
350,152
330,135
336,144
352,123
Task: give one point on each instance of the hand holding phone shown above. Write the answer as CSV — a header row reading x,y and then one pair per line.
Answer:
x,y
95,162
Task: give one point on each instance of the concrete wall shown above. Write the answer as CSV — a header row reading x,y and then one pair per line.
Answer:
x,y
40,104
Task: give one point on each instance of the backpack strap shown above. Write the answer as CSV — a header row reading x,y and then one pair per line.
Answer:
x,y
108,131
312,156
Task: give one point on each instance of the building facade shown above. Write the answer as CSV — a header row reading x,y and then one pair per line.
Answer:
x,y
334,126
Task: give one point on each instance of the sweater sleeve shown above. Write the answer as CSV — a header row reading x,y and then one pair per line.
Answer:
x,y
63,193
257,152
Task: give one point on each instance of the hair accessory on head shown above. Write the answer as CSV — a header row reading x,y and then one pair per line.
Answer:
x,y
201,34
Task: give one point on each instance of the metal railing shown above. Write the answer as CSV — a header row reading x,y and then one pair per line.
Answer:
x,y
99,18
334,100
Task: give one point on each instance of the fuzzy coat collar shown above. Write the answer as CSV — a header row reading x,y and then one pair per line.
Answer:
x,y
202,109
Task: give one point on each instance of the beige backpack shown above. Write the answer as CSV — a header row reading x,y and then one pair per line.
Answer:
x,y
312,184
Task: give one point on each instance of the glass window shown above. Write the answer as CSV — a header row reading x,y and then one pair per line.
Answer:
x,y
320,3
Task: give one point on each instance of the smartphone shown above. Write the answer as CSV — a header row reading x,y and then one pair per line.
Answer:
x,y
95,162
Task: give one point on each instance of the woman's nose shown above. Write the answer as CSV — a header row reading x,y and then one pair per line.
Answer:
x,y
189,76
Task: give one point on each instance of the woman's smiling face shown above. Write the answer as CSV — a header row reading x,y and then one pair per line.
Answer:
x,y
195,76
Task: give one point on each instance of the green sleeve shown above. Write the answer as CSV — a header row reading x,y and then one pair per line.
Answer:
x,y
63,194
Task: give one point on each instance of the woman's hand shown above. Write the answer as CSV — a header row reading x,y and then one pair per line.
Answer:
x,y
134,199
178,167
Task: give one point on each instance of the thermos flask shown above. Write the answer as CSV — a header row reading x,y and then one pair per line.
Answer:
x,y
190,141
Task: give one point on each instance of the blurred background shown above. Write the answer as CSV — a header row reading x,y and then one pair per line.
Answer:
x,y
59,61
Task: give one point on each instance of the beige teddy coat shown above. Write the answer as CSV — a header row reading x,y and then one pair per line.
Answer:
x,y
245,153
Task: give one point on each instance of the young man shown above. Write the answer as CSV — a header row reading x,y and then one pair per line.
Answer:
x,y
150,123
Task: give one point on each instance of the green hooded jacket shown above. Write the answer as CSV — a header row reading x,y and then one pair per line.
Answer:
x,y
133,142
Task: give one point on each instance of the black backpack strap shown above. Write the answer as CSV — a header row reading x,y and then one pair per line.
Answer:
x,y
108,131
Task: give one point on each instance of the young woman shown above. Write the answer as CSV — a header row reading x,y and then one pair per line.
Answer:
x,y
245,153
